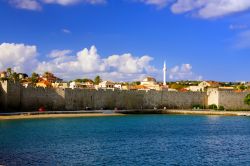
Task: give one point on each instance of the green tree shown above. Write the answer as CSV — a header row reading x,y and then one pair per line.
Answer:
x,y
136,83
242,87
247,99
48,74
9,72
97,80
34,77
87,80
14,76
213,107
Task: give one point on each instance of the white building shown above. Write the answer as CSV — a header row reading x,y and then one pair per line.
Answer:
x,y
118,86
150,83
88,84
202,86
106,85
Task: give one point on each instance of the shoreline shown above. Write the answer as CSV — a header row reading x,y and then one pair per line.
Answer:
x,y
78,114
188,112
208,112
46,115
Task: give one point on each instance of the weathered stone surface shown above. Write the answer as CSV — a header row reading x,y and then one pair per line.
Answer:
x,y
17,98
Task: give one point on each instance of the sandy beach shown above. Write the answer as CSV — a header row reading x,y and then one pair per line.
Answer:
x,y
33,115
44,116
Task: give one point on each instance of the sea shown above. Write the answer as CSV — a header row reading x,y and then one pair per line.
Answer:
x,y
143,140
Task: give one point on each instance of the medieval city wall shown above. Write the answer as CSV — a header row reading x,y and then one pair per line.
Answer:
x,y
233,100
3,95
174,100
33,98
14,97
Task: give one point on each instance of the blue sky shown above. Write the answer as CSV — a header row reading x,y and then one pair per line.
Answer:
x,y
127,39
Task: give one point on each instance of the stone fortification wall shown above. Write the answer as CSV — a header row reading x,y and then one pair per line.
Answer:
x,y
172,100
109,99
19,98
32,98
3,93
106,99
10,96
14,97
233,100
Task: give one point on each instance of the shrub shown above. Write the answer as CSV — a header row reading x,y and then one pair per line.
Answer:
x,y
247,99
198,106
221,108
213,106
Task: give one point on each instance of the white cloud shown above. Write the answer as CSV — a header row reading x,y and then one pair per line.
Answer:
x,y
71,2
183,72
26,4
86,63
158,3
202,8
59,53
37,4
20,57
237,26
67,31
210,8
126,63
242,40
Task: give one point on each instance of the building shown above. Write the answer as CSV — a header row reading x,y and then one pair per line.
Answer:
x,y
26,83
150,83
248,84
138,87
47,76
44,84
3,74
87,84
106,85
60,85
22,76
118,86
201,87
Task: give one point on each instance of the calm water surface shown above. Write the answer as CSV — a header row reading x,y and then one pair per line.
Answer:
x,y
127,140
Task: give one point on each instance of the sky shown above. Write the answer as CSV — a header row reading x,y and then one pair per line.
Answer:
x,y
127,40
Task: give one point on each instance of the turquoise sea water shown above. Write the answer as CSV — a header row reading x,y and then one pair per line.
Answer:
x,y
127,140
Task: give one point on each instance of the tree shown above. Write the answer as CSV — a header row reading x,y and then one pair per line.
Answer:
x,y
87,80
34,77
136,83
242,87
48,74
247,99
11,75
97,80
14,76
9,72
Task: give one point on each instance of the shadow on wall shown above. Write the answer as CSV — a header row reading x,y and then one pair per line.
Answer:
x,y
2,97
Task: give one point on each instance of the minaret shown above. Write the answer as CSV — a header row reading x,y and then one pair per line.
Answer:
x,y
164,73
